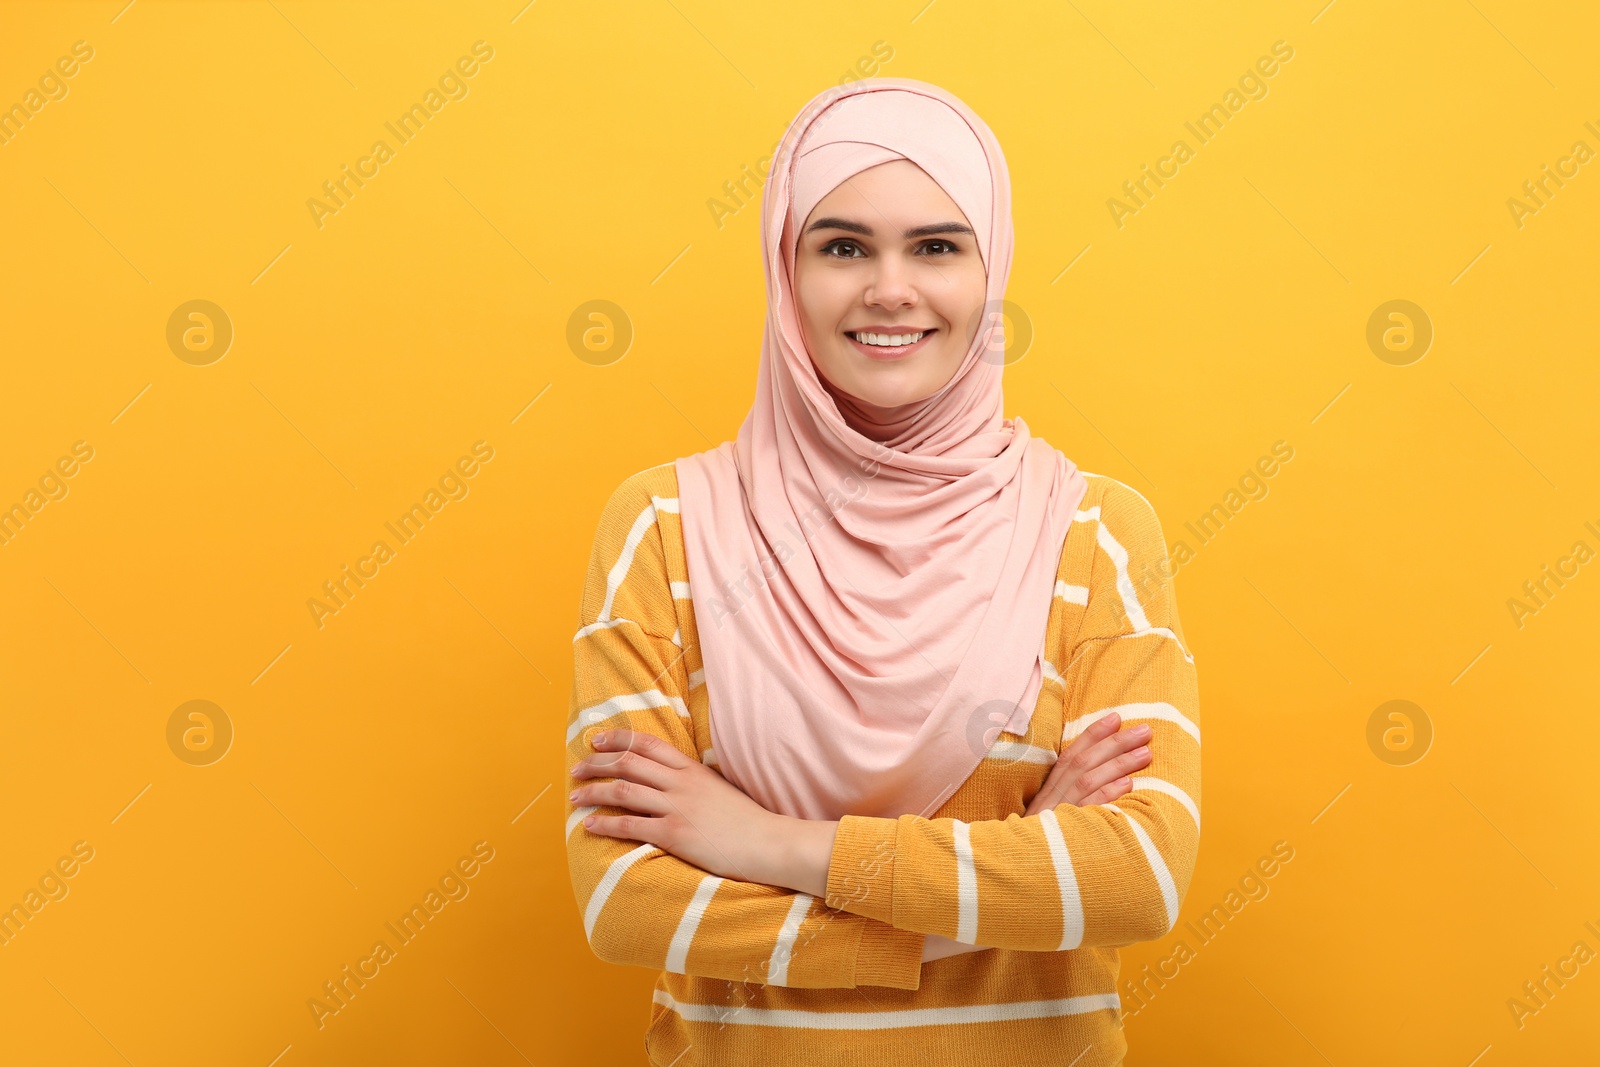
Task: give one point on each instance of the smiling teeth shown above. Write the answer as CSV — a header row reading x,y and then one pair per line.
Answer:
x,y
889,340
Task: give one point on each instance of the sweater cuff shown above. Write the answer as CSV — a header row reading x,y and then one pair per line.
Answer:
x,y
861,867
889,956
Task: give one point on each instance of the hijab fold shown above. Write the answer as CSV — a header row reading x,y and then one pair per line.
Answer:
x,y
871,584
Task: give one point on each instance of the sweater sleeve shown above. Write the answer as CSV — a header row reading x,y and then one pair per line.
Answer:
x,y
1103,875
642,906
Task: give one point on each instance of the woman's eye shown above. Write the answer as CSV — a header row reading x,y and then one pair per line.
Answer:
x,y
847,249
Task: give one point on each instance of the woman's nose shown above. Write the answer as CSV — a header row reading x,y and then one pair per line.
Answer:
x,y
892,285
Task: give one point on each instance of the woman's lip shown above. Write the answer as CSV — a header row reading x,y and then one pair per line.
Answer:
x,y
887,354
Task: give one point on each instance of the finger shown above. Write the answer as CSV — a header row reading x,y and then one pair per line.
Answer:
x,y
1112,769
622,794
1095,731
626,827
629,765
1107,750
1109,792
1052,793
642,742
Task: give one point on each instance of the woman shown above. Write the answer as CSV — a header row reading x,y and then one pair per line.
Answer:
x,y
848,690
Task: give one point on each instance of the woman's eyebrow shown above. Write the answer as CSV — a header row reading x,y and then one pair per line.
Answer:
x,y
866,231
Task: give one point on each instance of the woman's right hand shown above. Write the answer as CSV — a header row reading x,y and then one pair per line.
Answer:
x,y
1093,769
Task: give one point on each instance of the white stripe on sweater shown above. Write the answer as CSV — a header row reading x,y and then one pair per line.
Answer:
x,y
1159,785
1130,599
1161,631
1020,752
1158,867
603,624
1158,709
1051,674
1066,881
678,951
578,815
1119,556
1072,594
796,1019
619,570
650,698
966,885
608,882
778,967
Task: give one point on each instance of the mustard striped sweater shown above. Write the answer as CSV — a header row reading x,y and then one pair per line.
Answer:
x,y
754,974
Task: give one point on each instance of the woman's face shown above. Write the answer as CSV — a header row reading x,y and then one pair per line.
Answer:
x,y
890,256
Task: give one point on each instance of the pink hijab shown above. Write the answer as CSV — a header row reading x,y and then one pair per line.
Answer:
x,y
869,613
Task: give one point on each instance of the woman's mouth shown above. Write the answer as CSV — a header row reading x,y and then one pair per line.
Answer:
x,y
888,346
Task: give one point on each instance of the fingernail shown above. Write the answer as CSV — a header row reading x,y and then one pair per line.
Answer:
x,y
572,795
600,739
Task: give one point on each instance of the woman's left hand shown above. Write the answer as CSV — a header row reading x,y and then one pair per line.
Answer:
x,y
675,803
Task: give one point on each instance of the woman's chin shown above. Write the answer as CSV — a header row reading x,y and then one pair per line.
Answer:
x,y
875,395
879,389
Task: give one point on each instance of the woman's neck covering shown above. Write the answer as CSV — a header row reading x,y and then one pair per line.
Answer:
x,y
871,607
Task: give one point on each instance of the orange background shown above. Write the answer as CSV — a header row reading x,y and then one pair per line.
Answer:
x,y
422,720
